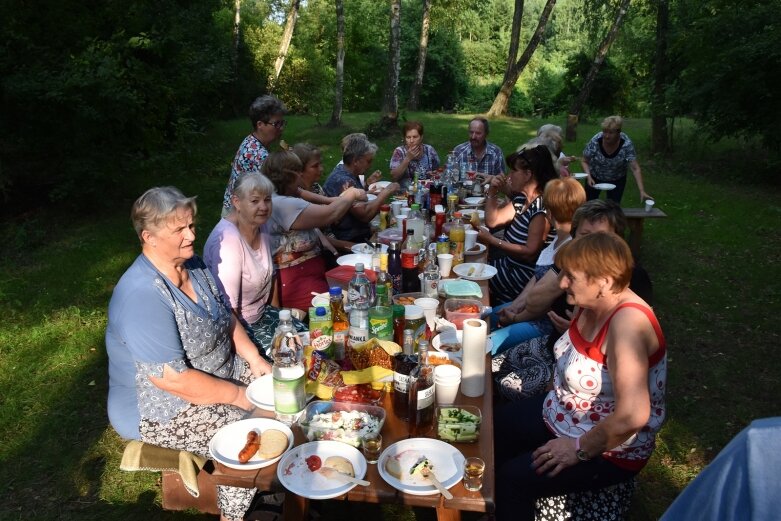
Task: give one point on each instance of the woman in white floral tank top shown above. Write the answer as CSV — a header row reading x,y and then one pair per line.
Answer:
x,y
597,426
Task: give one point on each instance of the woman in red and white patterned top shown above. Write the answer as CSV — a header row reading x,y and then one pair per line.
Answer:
x,y
597,426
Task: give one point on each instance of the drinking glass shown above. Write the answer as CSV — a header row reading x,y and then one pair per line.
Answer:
x,y
473,474
372,447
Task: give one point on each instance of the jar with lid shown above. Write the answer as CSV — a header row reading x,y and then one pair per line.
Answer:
x,y
415,320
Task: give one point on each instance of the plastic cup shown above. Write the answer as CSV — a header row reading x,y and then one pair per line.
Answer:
x,y
429,306
400,221
474,468
396,207
649,205
446,393
372,447
405,210
445,261
470,239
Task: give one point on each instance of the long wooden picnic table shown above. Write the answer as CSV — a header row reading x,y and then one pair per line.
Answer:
x,y
394,429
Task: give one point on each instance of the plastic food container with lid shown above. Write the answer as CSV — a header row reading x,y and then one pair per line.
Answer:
x,y
456,313
458,423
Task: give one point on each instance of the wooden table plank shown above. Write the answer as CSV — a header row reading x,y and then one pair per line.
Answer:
x,y
635,218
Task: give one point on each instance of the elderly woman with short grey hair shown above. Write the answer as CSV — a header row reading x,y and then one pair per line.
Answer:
x,y
238,253
178,363
266,115
357,157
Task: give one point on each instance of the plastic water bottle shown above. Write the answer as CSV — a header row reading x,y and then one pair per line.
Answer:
x,y
288,371
359,291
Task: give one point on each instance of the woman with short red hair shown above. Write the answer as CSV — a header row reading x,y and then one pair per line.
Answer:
x,y
598,424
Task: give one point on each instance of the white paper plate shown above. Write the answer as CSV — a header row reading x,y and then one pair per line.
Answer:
x,y
379,185
478,249
365,249
370,197
466,214
354,258
474,201
436,343
261,392
580,175
604,186
447,461
298,479
481,271
229,440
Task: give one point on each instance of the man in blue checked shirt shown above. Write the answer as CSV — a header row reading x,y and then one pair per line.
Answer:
x,y
478,154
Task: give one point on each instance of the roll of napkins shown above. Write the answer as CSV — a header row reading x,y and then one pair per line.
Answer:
x,y
473,361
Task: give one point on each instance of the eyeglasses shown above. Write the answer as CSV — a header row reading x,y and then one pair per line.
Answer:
x,y
276,124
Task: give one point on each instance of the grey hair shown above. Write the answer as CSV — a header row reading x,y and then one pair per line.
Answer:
x,y
357,148
598,209
156,206
350,137
552,140
250,183
263,108
550,127
613,123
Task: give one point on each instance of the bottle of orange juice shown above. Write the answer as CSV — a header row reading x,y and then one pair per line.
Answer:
x,y
457,238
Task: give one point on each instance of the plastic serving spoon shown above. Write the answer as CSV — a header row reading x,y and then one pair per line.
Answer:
x,y
424,467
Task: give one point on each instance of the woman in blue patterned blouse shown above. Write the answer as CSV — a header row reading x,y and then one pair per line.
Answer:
x,y
178,361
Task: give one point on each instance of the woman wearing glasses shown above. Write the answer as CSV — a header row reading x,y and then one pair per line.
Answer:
x,y
267,117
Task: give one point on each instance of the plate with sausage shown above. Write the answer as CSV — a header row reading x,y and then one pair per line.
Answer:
x,y
250,444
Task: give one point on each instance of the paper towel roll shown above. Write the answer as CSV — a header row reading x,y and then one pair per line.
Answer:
x,y
473,362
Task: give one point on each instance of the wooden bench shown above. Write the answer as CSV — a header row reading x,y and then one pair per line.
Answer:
x,y
635,218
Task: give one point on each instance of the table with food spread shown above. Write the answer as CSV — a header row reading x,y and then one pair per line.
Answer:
x,y
291,470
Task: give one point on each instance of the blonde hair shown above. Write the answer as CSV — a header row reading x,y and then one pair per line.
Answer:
x,y
600,254
613,123
562,197
156,206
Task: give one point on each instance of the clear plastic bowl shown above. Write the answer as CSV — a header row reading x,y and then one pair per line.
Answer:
x,y
341,421
452,430
458,317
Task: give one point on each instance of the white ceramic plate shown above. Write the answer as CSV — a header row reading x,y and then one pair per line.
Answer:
x,y
481,271
604,186
229,440
436,343
379,185
580,175
477,249
295,476
354,258
447,461
474,201
366,249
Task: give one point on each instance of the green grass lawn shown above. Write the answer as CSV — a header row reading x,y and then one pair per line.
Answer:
x,y
714,263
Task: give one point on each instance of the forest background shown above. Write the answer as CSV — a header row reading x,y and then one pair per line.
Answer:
x,y
91,90
99,100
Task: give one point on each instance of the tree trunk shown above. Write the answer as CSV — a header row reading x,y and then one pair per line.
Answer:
x,y
287,36
336,114
390,102
502,100
515,38
659,139
599,59
236,36
414,94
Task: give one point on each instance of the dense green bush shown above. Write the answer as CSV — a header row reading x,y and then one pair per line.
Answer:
x,y
610,93
87,89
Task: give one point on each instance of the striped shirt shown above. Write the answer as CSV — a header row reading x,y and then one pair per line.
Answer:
x,y
513,275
